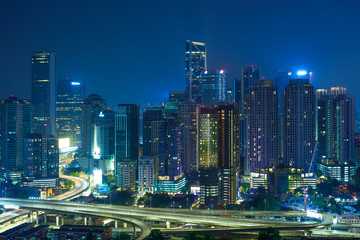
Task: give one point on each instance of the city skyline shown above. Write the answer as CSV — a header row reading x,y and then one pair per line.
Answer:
x,y
103,57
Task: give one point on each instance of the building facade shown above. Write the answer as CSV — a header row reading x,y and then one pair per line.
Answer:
x,y
43,90
70,98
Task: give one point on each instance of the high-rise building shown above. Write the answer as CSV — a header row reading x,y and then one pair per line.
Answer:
x,y
281,80
248,77
221,85
299,125
91,110
208,88
149,116
336,129
70,98
103,141
188,113
195,65
167,149
41,156
357,150
228,152
127,117
263,127
208,156
43,88
16,122
146,172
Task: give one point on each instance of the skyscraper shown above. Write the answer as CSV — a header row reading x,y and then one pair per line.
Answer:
x,y
248,77
208,88
281,80
299,124
188,113
43,87
167,148
263,127
16,123
70,98
221,85
208,156
91,109
127,136
195,65
228,152
336,129
41,156
103,141
149,116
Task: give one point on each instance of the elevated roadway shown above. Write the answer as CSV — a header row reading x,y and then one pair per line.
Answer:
x,y
217,220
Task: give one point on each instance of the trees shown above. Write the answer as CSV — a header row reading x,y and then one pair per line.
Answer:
x,y
122,236
156,235
269,234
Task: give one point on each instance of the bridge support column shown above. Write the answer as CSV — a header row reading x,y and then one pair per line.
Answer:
x,y
90,220
134,231
37,217
74,220
125,225
57,220
62,219
31,216
168,224
307,233
116,224
45,217
85,221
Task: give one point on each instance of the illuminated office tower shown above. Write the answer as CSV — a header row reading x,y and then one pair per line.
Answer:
x,y
41,156
149,116
167,148
357,150
91,109
336,131
127,117
263,127
16,122
228,152
208,88
188,113
195,65
70,97
208,156
43,87
299,124
103,141
221,85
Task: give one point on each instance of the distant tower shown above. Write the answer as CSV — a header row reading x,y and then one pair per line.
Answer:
x,y
208,151
16,123
263,123
91,109
103,141
336,125
70,98
195,65
248,77
208,88
228,153
221,85
188,113
299,124
149,116
43,87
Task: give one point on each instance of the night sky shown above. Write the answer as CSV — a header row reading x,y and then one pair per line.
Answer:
x,y
134,51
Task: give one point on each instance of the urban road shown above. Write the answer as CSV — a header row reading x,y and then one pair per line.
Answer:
x,y
215,220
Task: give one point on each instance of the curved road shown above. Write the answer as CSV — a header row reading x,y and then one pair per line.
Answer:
x,y
223,220
81,185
